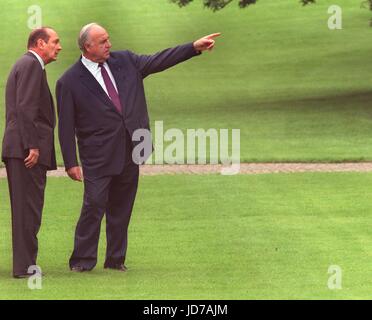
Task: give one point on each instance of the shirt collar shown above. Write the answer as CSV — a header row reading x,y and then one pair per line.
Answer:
x,y
38,58
91,64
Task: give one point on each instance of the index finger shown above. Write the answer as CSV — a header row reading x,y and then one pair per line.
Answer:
x,y
213,35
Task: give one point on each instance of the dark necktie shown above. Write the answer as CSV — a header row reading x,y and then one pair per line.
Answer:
x,y
110,88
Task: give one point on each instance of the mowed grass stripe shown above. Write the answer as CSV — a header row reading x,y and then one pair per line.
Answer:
x,y
213,237
295,89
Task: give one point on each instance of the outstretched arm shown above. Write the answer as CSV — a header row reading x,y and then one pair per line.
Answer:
x,y
148,64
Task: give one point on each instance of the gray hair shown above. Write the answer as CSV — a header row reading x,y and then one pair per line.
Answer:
x,y
84,35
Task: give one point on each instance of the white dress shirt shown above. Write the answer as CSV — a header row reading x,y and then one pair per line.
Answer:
x,y
95,70
38,58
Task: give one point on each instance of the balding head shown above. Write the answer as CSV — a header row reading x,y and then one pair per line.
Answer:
x,y
84,35
94,42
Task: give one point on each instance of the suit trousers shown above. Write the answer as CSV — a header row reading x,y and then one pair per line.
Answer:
x,y
113,195
26,189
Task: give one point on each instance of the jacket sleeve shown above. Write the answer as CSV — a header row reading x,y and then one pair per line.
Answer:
x,y
66,125
148,64
29,81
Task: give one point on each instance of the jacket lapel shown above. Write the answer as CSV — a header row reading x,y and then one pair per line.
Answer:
x,y
92,84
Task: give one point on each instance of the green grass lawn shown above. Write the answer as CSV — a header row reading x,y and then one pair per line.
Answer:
x,y
297,91
213,237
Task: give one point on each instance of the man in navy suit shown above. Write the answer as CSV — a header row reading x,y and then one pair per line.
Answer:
x,y
101,102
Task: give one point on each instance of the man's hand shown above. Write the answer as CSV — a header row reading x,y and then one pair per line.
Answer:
x,y
206,43
32,158
75,174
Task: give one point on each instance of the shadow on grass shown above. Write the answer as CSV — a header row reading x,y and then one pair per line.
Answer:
x,y
333,101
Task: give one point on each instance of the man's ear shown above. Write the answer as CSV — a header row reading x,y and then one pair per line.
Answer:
x,y
41,43
86,46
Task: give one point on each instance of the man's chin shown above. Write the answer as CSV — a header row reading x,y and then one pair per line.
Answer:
x,y
52,59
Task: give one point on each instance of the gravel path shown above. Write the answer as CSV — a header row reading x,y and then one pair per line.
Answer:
x,y
245,168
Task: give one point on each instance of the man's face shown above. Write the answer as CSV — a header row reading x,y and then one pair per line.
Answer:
x,y
99,45
51,48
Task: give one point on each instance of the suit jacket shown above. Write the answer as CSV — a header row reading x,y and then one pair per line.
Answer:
x,y
30,116
86,111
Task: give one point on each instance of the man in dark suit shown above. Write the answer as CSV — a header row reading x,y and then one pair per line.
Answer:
x,y
101,101
28,144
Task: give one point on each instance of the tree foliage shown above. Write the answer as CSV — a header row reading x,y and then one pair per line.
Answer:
x,y
216,5
368,3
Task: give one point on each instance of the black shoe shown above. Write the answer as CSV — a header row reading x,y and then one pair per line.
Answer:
x,y
120,267
27,275
78,269
22,276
